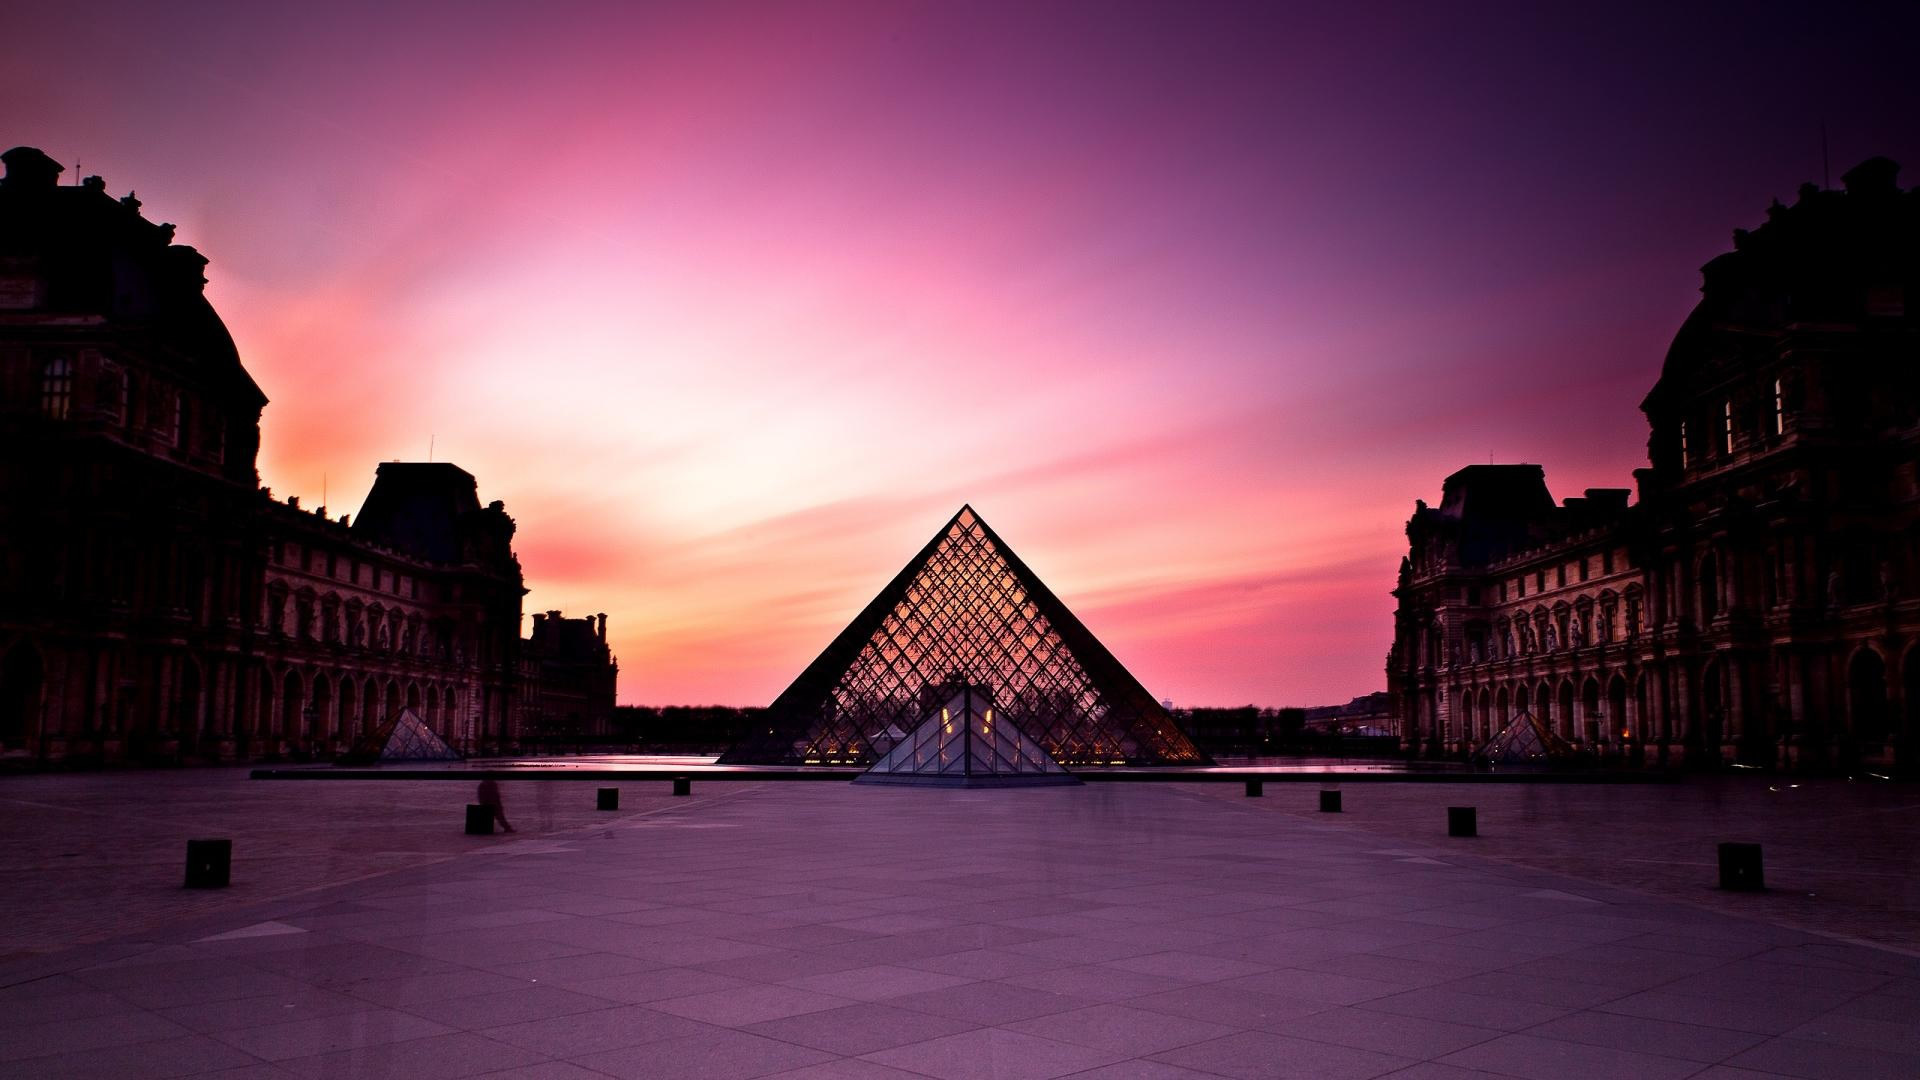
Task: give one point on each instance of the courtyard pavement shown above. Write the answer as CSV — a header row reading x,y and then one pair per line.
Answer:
x,y
1147,932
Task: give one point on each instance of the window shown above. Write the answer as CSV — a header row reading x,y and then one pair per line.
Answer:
x,y
1686,454
56,387
1779,407
1726,425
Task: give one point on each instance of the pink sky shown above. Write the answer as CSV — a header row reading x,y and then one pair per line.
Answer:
x,y
734,306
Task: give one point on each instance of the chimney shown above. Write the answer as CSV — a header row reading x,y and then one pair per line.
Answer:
x,y
603,626
30,170
1874,176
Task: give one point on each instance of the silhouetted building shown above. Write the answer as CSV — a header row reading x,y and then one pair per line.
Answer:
x,y
568,675
1761,600
155,602
1366,715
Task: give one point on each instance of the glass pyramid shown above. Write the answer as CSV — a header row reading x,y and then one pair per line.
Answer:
x,y
965,745
1525,741
405,738
966,612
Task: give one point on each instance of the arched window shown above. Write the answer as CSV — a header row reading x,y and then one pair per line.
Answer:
x,y
56,387
1779,407
1726,425
1686,448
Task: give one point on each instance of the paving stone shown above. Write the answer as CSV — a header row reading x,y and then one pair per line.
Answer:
x,y
859,1029
604,1029
512,1007
346,1031
1552,1059
722,1055
993,1054
1259,1055
85,1033
1402,1036
878,982
433,1058
1129,1032
1827,1061
988,1002
749,1005
1690,1041
189,1055
300,1004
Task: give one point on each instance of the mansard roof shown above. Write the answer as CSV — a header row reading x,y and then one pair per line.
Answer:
x,y
76,251
1848,257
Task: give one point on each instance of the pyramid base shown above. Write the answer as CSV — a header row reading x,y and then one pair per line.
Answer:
x,y
1060,779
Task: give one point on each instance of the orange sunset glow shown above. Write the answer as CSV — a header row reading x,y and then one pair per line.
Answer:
x,y
734,306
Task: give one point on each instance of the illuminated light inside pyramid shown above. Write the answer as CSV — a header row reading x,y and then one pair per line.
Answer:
x,y
964,738
966,612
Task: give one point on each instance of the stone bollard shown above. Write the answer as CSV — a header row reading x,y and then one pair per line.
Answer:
x,y
1329,802
1740,868
1255,788
608,798
479,820
1462,821
682,786
209,863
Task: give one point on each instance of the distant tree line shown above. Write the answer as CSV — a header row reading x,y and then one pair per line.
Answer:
x,y
1244,731
683,729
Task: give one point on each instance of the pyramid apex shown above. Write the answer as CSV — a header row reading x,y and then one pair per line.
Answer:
x,y
966,611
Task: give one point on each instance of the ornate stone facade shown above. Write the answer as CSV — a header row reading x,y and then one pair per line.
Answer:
x,y
569,675
155,602
1760,602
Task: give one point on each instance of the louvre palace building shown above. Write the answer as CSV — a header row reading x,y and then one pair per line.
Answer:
x,y
1759,600
156,603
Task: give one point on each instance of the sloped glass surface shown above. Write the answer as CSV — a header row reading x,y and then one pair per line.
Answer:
x,y
406,738
966,738
966,611
1525,741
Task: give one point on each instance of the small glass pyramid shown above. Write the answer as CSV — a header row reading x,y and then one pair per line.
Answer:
x,y
405,738
965,744
1525,741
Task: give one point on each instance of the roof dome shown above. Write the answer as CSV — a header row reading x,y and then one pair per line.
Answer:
x,y
87,253
1843,256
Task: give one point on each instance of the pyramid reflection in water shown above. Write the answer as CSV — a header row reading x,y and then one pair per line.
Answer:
x,y
965,745
966,612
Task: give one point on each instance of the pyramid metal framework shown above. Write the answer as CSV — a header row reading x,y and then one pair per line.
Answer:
x,y
965,745
966,611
